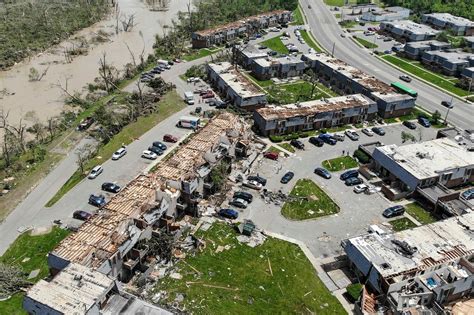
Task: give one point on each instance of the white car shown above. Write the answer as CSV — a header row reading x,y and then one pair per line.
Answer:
x,y
360,188
119,153
147,154
252,184
96,171
351,134
191,79
372,190
368,132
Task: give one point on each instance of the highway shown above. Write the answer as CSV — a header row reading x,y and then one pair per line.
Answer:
x,y
326,30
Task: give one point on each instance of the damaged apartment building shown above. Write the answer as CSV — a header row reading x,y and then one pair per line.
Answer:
x,y
348,80
424,270
241,28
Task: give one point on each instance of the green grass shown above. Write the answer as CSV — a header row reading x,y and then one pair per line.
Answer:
x,y
348,23
337,15
420,214
168,105
261,83
365,43
274,149
427,75
318,202
276,44
245,284
13,306
296,92
402,224
200,53
334,3
298,17
310,40
288,147
354,290
340,163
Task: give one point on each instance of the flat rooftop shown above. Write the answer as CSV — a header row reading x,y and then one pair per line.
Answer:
x,y
452,56
452,19
72,291
311,108
253,52
412,27
235,80
269,61
427,43
430,158
435,243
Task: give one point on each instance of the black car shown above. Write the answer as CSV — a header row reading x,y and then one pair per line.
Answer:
x,y
409,124
287,177
258,179
447,104
379,131
393,211
349,174
352,181
424,121
297,144
328,138
111,187
316,141
97,200
156,150
81,215
243,195
160,145
322,172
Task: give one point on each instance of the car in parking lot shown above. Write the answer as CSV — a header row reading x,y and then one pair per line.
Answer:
x,y
97,200
468,194
243,195
297,144
229,213
327,138
368,132
252,184
147,154
239,203
81,215
155,150
349,174
378,130
110,187
360,188
160,145
208,94
351,134
96,171
424,121
170,138
393,211
316,141
322,172
287,177
339,136
258,179
352,181
405,78
119,153
409,124
447,104
271,155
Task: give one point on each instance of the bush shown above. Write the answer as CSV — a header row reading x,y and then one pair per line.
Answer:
x,y
354,290
361,156
292,136
276,138
304,134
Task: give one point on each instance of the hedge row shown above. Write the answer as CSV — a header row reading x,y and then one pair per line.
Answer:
x,y
361,156
291,136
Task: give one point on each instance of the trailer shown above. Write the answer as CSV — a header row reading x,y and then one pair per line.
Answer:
x,y
188,122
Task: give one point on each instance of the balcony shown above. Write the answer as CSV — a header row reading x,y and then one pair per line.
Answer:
x,y
130,264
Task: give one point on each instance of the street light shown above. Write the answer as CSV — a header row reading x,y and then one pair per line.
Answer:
x,y
449,108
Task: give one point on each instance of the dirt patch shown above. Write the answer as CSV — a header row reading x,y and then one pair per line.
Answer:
x,y
41,230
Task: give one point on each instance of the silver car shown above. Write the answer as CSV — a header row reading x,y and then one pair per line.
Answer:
x,y
96,171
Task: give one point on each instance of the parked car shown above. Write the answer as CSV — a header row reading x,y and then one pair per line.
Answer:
x,y
258,179
97,200
96,171
155,150
160,145
339,136
81,215
252,184
351,134
327,138
198,110
297,144
372,190
119,153
147,154
170,138
209,94
379,130
360,188
287,177
111,187
322,172
239,203
368,132
405,78
271,155
243,195
316,141
229,213
447,104
468,194
349,174
352,181
424,121
85,123
409,124
393,211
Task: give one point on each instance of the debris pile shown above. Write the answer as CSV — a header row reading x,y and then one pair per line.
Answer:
x,y
277,198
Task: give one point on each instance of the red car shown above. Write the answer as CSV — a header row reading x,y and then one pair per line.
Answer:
x,y
271,155
209,94
204,92
170,138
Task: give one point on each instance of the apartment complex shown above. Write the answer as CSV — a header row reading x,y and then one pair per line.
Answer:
x,y
414,50
416,270
408,30
449,62
459,26
234,86
386,14
470,41
317,114
244,27
349,80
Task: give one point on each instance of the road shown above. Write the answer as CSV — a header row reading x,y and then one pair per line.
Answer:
x,y
325,29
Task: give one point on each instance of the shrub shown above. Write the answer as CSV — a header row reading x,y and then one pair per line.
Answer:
x,y
354,290
304,134
361,156
276,138
292,136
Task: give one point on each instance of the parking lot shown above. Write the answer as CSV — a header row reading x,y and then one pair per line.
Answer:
x,y
357,211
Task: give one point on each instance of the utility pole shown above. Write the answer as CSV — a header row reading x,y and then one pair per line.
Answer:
x,y
447,113
333,47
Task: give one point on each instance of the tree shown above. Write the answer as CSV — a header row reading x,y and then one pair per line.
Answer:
x,y
83,154
219,174
443,37
435,117
407,136
12,280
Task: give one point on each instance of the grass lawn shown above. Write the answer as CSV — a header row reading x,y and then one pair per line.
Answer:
x,y
287,147
276,44
340,163
273,278
200,53
261,83
334,3
318,204
35,248
365,43
420,214
274,149
310,41
294,92
348,23
168,105
297,17
426,75
402,224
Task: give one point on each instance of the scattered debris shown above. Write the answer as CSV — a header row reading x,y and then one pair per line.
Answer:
x,y
25,259
279,197
179,297
212,286
176,276
257,238
34,274
270,266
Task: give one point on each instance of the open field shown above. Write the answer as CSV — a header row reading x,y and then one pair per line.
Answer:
x,y
296,92
340,163
420,214
276,44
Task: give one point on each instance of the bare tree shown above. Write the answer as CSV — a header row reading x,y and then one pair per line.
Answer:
x,y
19,132
52,127
107,73
83,154
117,17
34,74
128,22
